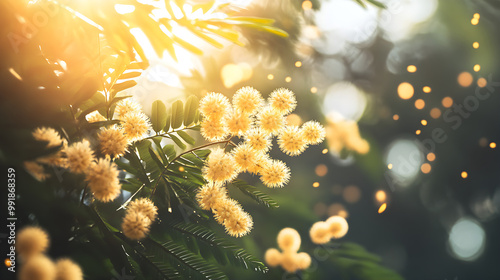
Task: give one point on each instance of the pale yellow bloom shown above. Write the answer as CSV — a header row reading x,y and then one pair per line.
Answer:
x,y
273,257
239,224
79,156
342,134
275,174
247,100
48,135
258,139
31,241
271,121
247,158
135,125
289,240
291,141
337,226
210,196
144,206
313,132
38,267
135,225
283,101
225,209
126,106
303,260
95,117
102,178
238,123
36,170
320,233
68,270
213,130
289,262
113,142
220,167
214,106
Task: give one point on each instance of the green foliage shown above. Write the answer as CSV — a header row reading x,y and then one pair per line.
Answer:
x,y
255,194
373,2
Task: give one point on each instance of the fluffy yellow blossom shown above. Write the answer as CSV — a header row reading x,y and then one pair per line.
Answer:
x,y
145,207
291,141
95,117
48,135
36,170
291,261
31,241
79,156
342,134
271,121
68,270
239,224
210,196
247,100
246,158
135,125
112,142
213,130
273,257
102,178
258,139
289,240
320,233
275,174
38,268
214,106
126,106
225,209
313,132
220,167
135,225
338,226
238,123
283,101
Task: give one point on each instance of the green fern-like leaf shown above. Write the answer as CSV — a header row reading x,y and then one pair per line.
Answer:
x,y
255,194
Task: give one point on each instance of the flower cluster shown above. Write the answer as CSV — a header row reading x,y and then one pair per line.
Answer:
x,y
256,122
138,218
343,134
31,244
334,227
291,261
101,174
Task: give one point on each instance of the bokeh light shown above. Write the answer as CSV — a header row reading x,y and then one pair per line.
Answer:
x,y
411,68
427,89
431,156
406,158
351,194
464,174
425,168
419,104
447,102
435,113
467,239
345,99
321,170
380,196
405,90
465,79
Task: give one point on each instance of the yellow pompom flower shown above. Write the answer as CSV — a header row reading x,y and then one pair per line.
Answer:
x,y
68,270
337,226
303,260
36,170
246,158
80,156
214,106
38,268
239,224
220,167
313,132
289,262
273,257
258,139
289,240
135,225
291,141
210,196
274,174
102,178
95,117
126,106
283,101
112,142
320,233
225,209
145,207
48,135
135,125
31,241
238,123
213,130
271,121
247,100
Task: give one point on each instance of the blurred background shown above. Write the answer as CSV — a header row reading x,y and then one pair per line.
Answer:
x,y
409,94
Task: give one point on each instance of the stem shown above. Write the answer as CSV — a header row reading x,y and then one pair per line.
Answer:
x,y
186,152
166,134
83,195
